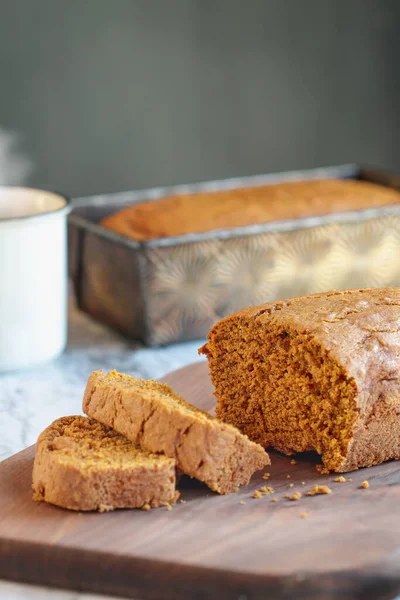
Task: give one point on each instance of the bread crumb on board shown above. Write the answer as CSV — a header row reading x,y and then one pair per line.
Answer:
x,y
340,479
365,485
169,507
295,496
267,490
242,502
288,476
257,494
146,506
266,475
274,499
182,501
319,489
291,485
304,515
293,462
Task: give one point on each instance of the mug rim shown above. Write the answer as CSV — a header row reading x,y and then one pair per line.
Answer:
x,y
66,208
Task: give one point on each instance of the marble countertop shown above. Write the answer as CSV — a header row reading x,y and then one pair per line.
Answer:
x,y
30,400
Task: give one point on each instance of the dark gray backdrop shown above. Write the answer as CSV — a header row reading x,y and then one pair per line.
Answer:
x,y
117,94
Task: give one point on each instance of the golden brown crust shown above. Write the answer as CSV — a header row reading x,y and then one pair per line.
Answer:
x,y
177,215
152,415
82,465
322,371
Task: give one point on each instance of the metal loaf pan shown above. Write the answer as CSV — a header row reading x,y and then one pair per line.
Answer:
x,y
173,289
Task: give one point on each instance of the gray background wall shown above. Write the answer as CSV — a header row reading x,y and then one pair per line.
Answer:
x,y
112,95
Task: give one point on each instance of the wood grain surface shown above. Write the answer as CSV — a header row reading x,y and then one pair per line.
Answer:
x,y
222,547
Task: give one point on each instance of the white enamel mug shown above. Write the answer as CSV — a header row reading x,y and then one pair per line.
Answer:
x,y
33,276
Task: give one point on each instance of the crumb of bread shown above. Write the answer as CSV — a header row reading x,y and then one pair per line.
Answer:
x,y
293,462
266,475
146,506
291,485
266,489
365,485
242,502
303,483
274,499
257,495
349,479
288,476
183,501
304,515
319,489
340,479
169,507
295,496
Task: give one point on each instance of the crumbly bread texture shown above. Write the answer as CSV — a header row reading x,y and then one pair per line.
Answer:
x,y
178,215
152,415
320,372
82,465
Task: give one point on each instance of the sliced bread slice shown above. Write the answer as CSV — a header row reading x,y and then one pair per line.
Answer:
x,y
152,415
82,465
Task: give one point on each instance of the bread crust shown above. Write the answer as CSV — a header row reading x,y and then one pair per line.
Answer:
x,y
150,414
194,213
83,465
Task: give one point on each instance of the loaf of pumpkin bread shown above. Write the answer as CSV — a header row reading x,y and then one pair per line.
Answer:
x,y
150,414
82,465
196,213
320,372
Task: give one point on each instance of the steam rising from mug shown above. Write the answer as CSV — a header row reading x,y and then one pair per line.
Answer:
x,y
14,166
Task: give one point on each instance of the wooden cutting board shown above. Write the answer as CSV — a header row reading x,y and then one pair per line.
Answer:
x,y
213,547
